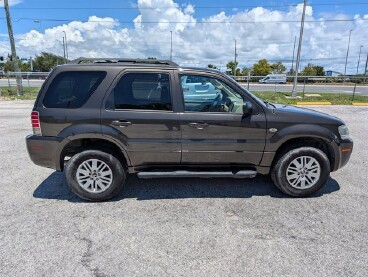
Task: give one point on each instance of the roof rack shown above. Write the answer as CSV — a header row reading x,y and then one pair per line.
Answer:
x,y
119,60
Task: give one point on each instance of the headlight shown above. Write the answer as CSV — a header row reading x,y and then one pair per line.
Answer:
x,y
344,132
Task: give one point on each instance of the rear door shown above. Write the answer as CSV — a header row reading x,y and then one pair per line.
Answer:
x,y
215,131
140,111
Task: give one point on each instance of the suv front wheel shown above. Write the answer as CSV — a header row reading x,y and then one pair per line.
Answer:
x,y
301,171
95,175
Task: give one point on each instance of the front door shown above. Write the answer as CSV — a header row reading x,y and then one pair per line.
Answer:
x,y
214,129
140,111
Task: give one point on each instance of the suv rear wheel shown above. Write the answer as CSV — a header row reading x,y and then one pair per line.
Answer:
x,y
301,171
95,175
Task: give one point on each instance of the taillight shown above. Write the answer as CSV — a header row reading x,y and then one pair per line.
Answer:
x,y
35,119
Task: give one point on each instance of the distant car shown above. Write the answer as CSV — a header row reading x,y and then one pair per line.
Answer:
x,y
274,79
197,87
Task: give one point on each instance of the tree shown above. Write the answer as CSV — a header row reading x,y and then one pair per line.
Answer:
x,y
212,66
245,71
278,68
291,72
46,61
9,66
313,70
231,65
261,68
309,70
319,70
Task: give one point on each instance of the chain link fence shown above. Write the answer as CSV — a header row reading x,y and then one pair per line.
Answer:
x,y
30,79
306,84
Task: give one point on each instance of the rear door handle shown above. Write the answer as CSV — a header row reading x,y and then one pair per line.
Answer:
x,y
121,123
198,125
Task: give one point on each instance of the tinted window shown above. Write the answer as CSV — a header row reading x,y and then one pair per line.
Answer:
x,y
72,89
208,94
145,91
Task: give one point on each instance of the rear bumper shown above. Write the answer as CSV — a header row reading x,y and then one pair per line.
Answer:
x,y
44,151
342,151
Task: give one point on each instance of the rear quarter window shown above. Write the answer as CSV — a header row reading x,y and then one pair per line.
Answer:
x,y
72,89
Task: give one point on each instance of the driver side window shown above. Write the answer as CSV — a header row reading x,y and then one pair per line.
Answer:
x,y
208,94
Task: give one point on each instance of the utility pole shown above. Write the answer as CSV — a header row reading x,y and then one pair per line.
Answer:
x,y
236,55
64,50
14,53
292,62
365,70
347,54
293,92
31,63
66,47
170,45
356,74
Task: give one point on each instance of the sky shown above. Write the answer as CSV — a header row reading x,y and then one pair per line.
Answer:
x,y
203,32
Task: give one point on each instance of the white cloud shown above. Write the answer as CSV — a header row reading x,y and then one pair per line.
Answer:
x,y
201,41
11,2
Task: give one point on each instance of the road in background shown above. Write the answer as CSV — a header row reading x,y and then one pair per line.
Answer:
x,y
25,82
315,88
180,227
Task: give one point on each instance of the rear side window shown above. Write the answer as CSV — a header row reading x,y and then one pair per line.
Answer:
x,y
141,91
72,89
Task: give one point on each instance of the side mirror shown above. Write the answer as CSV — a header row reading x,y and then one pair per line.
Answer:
x,y
247,108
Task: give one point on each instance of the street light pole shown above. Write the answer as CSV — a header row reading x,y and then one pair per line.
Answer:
x,y
66,47
356,74
292,62
64,50
347,54
170,45
13,50
365,69
236,55
293,92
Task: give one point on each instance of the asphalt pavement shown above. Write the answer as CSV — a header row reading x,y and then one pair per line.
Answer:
x,y
180,227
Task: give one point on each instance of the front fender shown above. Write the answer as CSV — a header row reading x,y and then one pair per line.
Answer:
x,y
299,131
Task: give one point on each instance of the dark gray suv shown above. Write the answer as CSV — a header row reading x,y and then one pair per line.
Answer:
x,y
100,119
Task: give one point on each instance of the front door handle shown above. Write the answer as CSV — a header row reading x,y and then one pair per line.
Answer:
x,y
198,125
121,123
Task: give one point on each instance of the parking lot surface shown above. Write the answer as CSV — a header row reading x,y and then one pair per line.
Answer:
x,y
180,227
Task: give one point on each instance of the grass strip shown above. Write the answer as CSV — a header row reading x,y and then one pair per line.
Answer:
x,y
29,93
333,98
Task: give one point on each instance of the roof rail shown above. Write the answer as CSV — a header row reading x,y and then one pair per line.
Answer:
x,y
123,60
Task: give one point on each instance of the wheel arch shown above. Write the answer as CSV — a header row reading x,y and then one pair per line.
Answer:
x,y
74,145
316,142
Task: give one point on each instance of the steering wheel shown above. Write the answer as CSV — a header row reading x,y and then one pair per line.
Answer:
x,y
216,102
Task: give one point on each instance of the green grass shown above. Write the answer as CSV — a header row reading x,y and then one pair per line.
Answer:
x,y
29,93
334,98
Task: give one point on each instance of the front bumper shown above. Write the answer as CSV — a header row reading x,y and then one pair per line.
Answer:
x,y
44,151
342,151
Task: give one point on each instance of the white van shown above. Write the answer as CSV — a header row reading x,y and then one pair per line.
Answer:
x,y
274,79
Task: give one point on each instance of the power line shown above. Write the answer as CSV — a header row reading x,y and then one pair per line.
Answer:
x,y
188,22
196,7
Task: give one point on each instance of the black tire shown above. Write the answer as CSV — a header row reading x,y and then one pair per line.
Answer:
x,y
113,189
279,171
